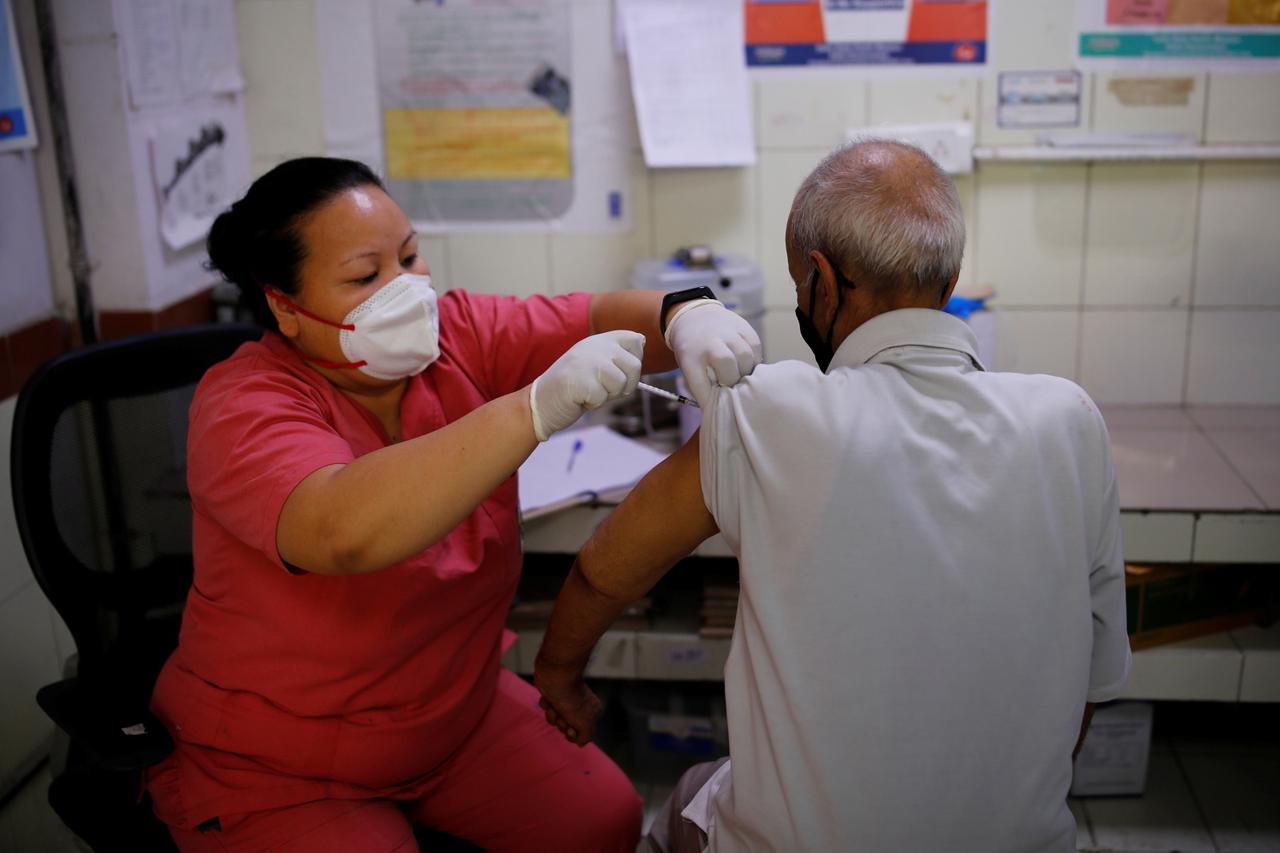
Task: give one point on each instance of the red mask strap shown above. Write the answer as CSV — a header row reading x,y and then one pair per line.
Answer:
x,y
272,293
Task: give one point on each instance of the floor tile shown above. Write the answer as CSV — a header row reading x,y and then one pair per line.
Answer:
x,y
1239,795
1146,417
31,823
1165,818
1235,417
1172,469
1255,454
1084,836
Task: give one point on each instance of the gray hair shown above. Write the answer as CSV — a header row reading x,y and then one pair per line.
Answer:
x,y
899,227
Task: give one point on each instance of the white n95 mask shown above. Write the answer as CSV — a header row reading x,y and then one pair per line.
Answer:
x,y
393,334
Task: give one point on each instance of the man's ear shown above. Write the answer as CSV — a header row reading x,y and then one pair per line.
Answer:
x,y
286,317
825,280
946,294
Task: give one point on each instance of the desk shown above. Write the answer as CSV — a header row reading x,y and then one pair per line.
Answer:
x,y
1196,485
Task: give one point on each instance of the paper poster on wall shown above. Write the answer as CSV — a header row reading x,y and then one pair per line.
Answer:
x,y
1192,34
866,34
481,117
17,125
693,99
193,178
176,49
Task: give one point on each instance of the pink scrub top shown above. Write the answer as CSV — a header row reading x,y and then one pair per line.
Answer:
x,y
290,687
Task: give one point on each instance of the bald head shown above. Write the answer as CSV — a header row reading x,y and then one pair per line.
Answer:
x,y
883,212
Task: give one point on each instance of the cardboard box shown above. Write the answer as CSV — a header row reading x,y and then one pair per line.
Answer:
x,y
1113,759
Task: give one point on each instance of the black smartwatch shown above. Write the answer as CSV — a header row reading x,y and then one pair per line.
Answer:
x,y
672,299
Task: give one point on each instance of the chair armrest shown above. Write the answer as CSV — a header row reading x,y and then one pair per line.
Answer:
x,y
117,737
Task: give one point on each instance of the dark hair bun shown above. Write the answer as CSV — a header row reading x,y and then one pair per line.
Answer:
x,y
257,243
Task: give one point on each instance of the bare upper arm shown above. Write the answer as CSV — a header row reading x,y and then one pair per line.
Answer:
x,y
304,530
661,521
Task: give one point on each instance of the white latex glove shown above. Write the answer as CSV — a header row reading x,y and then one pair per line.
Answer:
x,y
594,371
713,346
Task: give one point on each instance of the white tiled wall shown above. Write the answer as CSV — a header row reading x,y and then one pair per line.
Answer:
x,y
1122,277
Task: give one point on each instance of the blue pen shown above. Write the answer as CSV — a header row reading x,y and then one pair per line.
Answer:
x,y
573,454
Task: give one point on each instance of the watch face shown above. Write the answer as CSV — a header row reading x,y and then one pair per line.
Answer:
x,y
672,299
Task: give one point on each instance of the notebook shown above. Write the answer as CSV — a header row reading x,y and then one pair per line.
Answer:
x,y
582,466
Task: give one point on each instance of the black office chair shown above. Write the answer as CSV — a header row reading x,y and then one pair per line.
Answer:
x,y
99,491
100,494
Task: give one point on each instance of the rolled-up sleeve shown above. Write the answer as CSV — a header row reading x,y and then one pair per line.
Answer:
x,y
253,439
512,341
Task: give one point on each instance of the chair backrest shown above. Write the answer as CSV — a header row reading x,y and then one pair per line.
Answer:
x,y
98,462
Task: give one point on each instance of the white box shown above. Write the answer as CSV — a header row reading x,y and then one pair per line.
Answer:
x,y
1113,760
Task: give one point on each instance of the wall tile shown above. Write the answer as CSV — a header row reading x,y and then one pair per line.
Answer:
x,y
966,188
1133,357
1243,108
77,22
284,108
31,347
1234,355
922,100
712,206
435,248
1035,34
602,262
1129,102
1030,233
1030,341
1238,259
806,113
1223,538
29,662
781,173
1141,234
1030,35
782,341
516,264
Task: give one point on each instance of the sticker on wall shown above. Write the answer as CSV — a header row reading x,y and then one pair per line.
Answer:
x,y
852,34
1193,34
17,126
1039,99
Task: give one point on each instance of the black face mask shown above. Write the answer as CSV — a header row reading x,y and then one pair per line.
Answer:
x,y
823,351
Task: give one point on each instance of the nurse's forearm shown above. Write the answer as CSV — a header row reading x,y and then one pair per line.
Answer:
x,y
400,500
636,310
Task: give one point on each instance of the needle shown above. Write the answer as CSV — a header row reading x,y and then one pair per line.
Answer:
x,y
679,398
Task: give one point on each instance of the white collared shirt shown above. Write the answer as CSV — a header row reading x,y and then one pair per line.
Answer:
x,y
932,587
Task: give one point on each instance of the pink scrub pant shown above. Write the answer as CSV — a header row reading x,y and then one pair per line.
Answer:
x,y
516,784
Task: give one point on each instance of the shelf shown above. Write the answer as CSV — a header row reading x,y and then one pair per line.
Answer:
x,y
1061,154
1238,666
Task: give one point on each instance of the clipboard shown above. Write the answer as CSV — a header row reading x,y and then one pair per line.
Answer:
x,y
582,466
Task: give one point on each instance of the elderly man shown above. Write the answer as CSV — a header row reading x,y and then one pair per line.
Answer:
x,y
932,581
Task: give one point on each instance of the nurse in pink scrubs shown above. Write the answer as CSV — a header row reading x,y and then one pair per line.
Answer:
x,y
356,545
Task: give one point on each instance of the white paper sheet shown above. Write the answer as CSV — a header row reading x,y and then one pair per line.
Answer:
x,y
605,462
689,82
192,180
207,37
177,49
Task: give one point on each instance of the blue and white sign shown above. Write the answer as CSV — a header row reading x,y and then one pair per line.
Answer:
x,y
17,127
